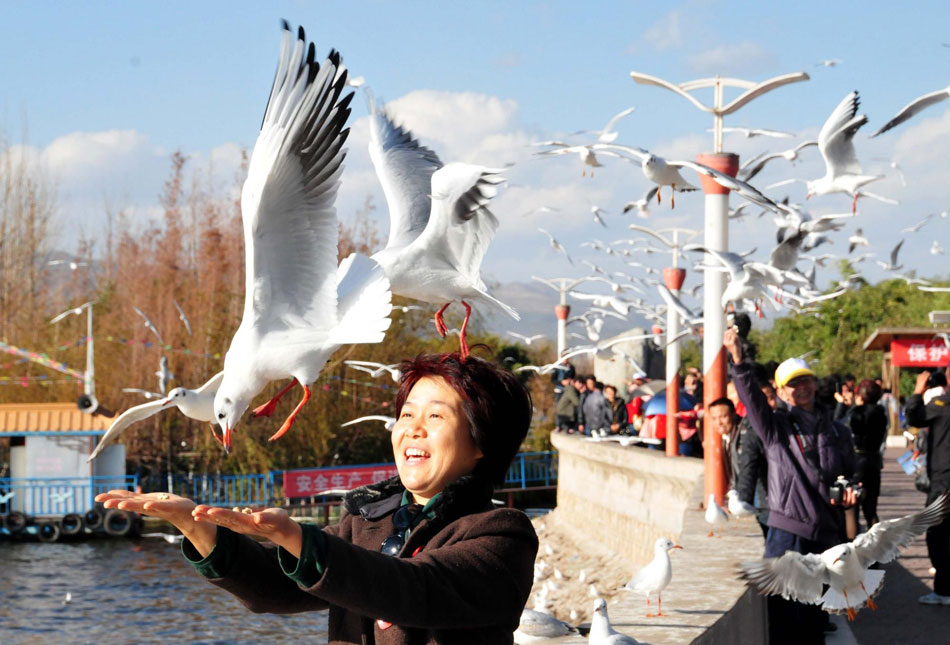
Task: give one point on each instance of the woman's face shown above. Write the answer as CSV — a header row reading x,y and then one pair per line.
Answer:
x,y
431,441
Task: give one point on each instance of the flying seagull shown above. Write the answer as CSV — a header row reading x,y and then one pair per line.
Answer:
x,y
182,317
914,107
299,306
440,224
196,404
607,134
844,567
148,324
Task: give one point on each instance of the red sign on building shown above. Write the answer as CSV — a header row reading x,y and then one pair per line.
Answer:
x,y
310,482
920,352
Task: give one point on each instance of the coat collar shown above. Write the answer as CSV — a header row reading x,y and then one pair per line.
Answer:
x,y
465,495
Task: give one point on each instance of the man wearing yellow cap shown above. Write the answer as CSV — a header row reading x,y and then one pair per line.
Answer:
x,y
806,451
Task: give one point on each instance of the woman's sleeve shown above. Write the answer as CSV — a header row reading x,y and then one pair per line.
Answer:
x,y
483,579
260,575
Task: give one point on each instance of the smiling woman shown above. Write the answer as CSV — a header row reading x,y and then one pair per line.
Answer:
x,y
462,570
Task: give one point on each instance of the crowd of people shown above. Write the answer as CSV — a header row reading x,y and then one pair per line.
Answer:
x,y
806,452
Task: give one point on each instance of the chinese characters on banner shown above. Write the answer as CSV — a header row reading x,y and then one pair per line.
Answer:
x,y
919,352
306,483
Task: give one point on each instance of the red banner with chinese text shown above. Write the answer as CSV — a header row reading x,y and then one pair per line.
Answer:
x,y
919,352
306,483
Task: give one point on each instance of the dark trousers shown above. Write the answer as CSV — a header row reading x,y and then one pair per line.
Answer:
x,y
793,622
868,471
938,548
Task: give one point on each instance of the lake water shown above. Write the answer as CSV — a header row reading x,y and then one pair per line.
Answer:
x,y
127,591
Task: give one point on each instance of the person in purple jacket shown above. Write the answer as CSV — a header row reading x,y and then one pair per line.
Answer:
x,y
806,451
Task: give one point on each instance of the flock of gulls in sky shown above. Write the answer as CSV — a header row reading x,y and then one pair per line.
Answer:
x,y
301,305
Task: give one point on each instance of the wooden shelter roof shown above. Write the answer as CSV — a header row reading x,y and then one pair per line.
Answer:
x,y
26,418
880,339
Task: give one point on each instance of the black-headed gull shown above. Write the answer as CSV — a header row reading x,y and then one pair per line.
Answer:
x,y
299,306
855,240
375,369
440,225
844,567
754,166
164,375
585,153
601,632
738,507
537,626
828,62
557,246
836,143
527,340
655,168
750,133
148,324
607,134
182,317
388,422
655,576
916,227
643,204
715,515
914,107
195,404
891,264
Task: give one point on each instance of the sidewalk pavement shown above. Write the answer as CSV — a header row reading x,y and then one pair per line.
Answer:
x,y
900,618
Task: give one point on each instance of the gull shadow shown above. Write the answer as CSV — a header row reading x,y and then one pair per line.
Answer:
x,y
699,611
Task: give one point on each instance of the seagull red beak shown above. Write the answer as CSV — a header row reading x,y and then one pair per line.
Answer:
x,y
227,439
676,546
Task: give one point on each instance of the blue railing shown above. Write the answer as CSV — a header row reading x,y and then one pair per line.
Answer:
x,y
532,470
57,495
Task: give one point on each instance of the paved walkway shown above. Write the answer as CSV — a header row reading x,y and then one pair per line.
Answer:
x,y
900,618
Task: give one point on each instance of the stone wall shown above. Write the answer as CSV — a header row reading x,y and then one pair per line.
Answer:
x,y
622,499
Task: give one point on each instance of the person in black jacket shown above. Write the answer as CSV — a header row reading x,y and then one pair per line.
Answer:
x,y
869,426
752,482
935,417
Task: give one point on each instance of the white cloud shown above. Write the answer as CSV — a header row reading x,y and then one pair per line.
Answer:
x,y
739,58
667,32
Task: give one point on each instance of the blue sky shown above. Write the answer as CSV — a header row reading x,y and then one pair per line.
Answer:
x,y
103,92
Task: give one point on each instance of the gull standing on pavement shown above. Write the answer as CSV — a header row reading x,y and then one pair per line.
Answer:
x,y
655,576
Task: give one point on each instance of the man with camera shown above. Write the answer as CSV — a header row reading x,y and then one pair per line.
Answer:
x,y
806,452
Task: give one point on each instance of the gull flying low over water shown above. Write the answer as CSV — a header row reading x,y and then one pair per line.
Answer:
x,y
915,107
439,222
844,568
299,306
195,404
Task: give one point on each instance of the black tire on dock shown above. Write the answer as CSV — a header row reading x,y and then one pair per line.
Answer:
x,y
48,532
117,523
71,524
15,521
93,519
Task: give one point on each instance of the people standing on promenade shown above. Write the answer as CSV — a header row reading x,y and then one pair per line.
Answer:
x,y
752,482
419,558
721,419
868,424
806,452
618,411
559,375
596,415
565,411
935,418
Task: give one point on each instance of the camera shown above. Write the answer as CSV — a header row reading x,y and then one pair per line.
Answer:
x,y
837,489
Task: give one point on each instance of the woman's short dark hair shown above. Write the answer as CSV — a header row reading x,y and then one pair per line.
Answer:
x,y
495,404
869,391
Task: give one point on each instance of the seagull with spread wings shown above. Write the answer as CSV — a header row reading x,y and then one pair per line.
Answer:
x,y
440,224
836,143
607,134
196,404
388,422
182,317
299,306
149,325
844,567
914,108
376,369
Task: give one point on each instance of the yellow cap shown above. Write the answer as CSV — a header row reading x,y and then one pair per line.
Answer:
x,y
790,369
